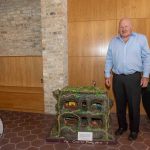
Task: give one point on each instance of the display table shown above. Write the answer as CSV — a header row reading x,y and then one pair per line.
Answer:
x,y
83,114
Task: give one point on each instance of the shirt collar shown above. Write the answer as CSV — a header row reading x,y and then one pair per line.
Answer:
x,y
132,34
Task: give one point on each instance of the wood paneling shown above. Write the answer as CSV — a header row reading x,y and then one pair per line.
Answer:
x,y
20,84
21,71
133,8
22,99
83,10
90,38
83,70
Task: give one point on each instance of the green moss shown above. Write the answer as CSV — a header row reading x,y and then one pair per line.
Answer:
x,y
87,89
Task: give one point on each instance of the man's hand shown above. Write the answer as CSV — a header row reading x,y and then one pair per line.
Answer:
x,y
144,82
108,82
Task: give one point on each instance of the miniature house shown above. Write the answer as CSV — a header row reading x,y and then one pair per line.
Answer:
x,y
83,109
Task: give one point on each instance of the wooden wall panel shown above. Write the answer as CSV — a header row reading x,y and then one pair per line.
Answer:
x,y
133,8
21,71
83,10
83,70
90,38
20,84
22,99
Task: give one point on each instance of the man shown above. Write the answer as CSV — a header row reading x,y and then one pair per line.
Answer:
x,y
128,58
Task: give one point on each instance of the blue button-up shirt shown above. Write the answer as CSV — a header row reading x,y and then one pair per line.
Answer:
x,y
127,58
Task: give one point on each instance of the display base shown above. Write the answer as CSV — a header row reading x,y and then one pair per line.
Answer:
x,y
63,140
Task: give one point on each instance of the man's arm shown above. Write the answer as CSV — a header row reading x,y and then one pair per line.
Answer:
x,y
108,67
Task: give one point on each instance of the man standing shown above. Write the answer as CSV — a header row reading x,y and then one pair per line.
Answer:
x,y
128,58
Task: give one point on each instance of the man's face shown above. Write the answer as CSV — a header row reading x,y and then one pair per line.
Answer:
x,y
125,28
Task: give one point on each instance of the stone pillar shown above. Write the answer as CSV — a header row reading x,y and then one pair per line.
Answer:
x,y
54,43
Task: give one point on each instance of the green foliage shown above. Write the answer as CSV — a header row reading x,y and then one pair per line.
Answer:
x,y
87,89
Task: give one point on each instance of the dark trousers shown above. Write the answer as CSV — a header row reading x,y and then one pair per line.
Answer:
x,y
127,91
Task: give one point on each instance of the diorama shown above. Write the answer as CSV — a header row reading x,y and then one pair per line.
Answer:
x,y
82,110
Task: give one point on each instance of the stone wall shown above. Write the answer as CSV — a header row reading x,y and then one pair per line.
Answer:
x,y
20,27
37,27
55,55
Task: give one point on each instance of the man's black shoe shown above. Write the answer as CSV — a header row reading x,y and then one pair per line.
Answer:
x,y
120,131
133,136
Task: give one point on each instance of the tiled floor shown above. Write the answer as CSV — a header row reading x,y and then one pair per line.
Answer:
x,y
28,131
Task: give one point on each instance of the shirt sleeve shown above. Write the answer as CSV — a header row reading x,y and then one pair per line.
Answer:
x,y
145,57
109,62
